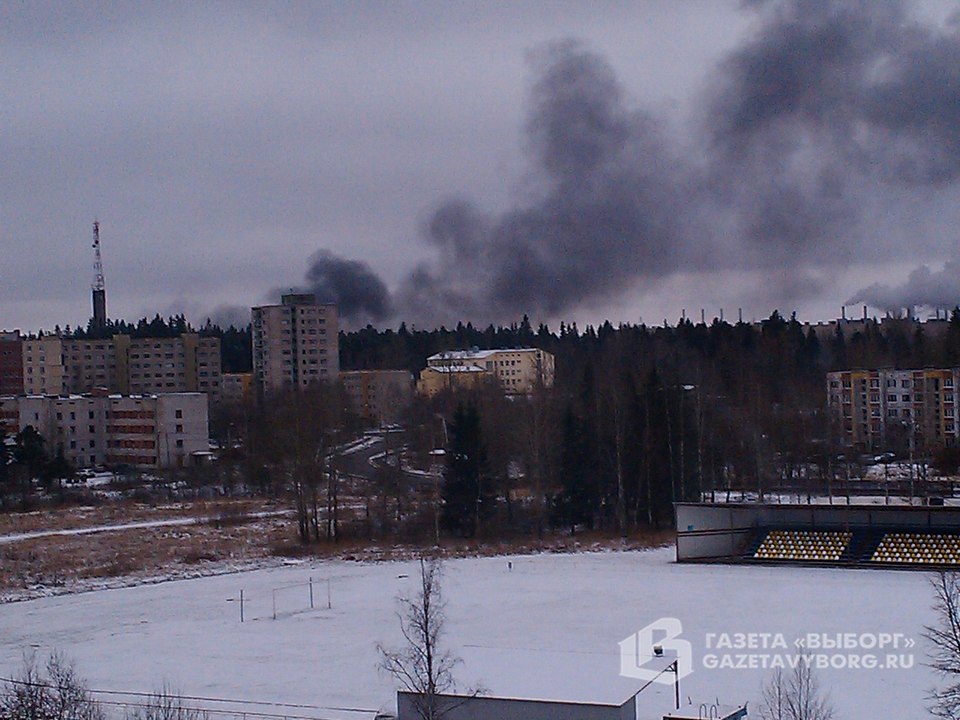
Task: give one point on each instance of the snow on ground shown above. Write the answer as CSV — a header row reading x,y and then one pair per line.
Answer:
x,y
548,627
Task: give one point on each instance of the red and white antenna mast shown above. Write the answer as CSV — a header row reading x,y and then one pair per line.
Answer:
x,y
98,287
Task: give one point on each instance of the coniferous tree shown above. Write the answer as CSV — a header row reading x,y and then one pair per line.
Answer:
x,y
575,504
467,496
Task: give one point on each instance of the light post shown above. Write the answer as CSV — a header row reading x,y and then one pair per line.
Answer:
x,y
437,454
683,476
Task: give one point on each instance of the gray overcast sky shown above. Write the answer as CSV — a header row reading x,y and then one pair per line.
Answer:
x,y
222,145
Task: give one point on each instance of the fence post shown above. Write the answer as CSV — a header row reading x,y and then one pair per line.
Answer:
x,y
329,603
311,593
241,605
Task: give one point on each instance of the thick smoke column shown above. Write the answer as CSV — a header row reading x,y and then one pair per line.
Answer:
x,y
359,293
610,212
821,138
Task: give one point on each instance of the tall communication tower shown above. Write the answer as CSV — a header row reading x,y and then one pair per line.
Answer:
x,y
98,287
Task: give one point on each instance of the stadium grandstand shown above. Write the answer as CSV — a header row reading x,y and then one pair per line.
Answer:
x,y
820,535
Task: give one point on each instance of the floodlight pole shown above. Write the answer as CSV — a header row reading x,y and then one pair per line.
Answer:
x,y
676,682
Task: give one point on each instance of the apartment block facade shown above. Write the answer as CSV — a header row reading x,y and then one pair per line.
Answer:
x,y
11,363
236,387
151,431
187,363
882,409
377,396
518,371
295,343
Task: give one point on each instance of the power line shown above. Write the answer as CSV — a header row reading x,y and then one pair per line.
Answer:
x,y
201,698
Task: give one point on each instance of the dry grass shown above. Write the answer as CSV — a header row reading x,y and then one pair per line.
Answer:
x,y
452,548
227,533
126,511
64,560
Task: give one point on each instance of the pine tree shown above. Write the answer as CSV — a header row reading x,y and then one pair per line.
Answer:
x,y
467,496
575,504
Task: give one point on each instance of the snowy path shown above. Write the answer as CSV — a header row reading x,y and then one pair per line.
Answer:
x,y
17,537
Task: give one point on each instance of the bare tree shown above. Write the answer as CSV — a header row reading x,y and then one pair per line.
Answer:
x,y
944,639
56,694
421,666
165,704
795,695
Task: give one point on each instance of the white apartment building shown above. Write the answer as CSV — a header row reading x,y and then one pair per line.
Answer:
x,y
295,343
159,431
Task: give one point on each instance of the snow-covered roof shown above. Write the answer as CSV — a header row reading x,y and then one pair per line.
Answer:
x,y
456,369
463,355
476,354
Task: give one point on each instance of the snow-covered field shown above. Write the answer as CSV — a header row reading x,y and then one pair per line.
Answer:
x,y
550,626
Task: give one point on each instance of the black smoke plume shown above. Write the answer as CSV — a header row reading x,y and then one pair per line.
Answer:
x,y
825,137
359,293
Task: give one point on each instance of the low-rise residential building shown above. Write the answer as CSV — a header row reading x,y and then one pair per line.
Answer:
x,y
453,378
378,396
518,371
123,364
157,431
882,409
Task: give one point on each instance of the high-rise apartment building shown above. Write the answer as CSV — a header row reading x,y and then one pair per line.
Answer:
x,y
887,409
295,343
186,363
11,363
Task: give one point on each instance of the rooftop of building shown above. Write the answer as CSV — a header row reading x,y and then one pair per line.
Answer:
x,y
457,369
88,396
477,354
